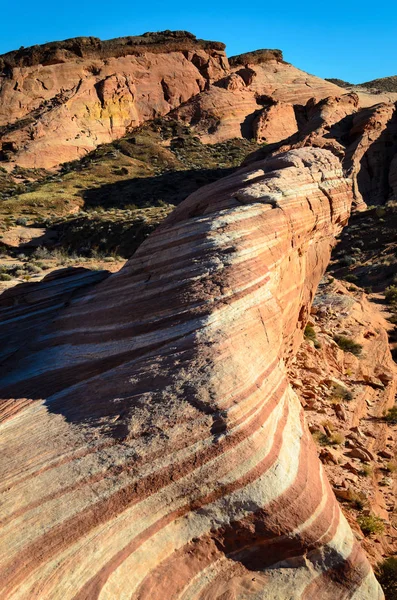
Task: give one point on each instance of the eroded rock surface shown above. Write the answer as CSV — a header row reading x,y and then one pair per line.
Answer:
x,y
345,397
230,107
60,100
154,447
365,139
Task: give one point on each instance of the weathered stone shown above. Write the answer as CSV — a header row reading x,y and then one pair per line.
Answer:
x,y
361,453
163,451
90,92
386,454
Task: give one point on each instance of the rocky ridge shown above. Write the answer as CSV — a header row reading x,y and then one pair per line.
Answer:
x,y
365,139
60,100
151,459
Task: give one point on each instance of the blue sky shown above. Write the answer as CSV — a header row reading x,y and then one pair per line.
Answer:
x,y
351,39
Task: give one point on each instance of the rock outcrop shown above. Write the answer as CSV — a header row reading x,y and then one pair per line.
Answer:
x,y
152,446
365,139
60,100
345,397
231,106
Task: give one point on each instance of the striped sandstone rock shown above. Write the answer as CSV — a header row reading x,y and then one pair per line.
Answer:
x,y
155,449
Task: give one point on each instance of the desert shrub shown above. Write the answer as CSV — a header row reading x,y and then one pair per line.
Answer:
x,y
42,252
366,471
391,294
333,439
351,278
386,573
320,438
391,416
21,221
348,345
340,392
337,439
310,334
391,466
380,211
357,500
33,269
347,260
5,277
370,524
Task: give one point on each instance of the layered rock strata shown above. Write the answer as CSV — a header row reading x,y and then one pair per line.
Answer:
x,y
60,100
156,448
231,106
363,138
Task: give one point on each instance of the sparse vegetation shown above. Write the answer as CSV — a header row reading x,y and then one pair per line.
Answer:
x,y
366,471
310,334
356,500
337,439
331,438
391,467
391,416
370,524
339,392
386,573
391,295
348,345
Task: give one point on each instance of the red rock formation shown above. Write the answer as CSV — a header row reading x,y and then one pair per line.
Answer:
x,y
349,395
364,138
156,449
229,108
275,123
60,100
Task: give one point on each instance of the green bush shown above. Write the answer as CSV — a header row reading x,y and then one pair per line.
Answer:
x,y
309,333
338,392
370,524
386,573
351,278
5,277
391,294
366,471
391,416
348,345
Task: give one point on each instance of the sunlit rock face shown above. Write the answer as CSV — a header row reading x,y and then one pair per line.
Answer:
x,y
61,100
154,447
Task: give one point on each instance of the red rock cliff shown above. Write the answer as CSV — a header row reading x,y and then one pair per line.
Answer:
x,y
60,100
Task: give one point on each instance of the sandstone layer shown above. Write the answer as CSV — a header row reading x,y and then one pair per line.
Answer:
x,y
61,100
365,139
152,446
230,107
